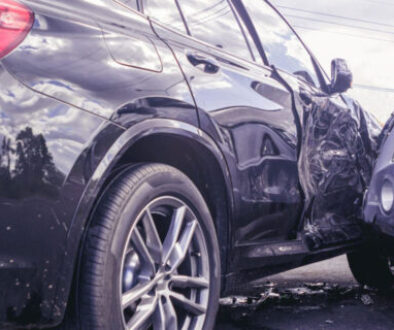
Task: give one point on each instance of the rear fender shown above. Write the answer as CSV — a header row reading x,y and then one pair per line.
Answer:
x,y
100,176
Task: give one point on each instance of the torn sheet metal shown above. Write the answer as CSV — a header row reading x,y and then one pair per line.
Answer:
x,y
337,153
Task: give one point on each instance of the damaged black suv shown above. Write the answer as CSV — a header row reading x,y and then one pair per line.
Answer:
x,y
158,154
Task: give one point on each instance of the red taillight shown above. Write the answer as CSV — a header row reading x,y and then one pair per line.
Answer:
x,y
15,23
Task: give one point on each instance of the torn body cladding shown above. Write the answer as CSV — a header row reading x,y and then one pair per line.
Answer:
x,y
338,150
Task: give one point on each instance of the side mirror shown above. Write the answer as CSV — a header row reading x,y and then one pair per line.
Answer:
x,y
341,76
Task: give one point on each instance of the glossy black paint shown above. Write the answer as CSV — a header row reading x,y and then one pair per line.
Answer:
x,y
253,124
96,86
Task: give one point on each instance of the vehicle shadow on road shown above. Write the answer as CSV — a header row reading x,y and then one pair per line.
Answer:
x,y
310,298
312,306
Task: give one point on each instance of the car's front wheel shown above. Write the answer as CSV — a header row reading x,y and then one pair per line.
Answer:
x,y
370,267
151,257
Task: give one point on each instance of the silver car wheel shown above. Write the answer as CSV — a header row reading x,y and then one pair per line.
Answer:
x,y
165,269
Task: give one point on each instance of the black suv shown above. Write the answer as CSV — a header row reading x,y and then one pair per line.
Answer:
x,y
150,159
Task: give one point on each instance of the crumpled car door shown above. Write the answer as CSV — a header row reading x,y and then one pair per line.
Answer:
x,y
337,153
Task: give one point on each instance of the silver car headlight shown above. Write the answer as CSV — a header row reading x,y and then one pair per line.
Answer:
x,y
387,196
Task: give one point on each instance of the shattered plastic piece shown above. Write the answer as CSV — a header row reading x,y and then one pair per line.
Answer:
x,y
227,301
241,300
329,321
273,295
367,299
315,286
269,285
297,291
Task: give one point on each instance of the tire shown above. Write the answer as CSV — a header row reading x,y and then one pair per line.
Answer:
x,y
133,276
370,268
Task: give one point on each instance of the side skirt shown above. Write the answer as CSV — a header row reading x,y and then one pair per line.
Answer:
x,y
259,260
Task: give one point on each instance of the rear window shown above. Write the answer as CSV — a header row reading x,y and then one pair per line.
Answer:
x,y
166,12
214,22
129,3
281,45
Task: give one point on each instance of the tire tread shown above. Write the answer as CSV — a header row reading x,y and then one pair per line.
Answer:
x,y
98,240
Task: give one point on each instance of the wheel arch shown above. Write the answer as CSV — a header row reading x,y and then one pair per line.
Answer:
x,y
193,152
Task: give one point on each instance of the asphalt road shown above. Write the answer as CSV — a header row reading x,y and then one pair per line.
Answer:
x,y
320,296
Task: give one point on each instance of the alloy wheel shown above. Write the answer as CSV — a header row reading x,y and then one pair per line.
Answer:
x,y
165,269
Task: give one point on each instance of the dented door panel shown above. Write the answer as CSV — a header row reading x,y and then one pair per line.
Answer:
x,y
250,116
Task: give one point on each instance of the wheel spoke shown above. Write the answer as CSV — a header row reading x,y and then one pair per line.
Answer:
x,y
187,304
159,318
142,250
182,282
181,248
172,318
143,314
153,241
165,316
136,293
173,232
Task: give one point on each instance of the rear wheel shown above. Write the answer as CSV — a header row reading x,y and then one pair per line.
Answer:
x,y
371,268
151,258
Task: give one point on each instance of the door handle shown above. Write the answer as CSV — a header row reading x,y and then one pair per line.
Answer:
x,y
207,64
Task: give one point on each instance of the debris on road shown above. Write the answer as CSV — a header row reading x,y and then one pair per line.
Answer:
x,y
367,299
306,297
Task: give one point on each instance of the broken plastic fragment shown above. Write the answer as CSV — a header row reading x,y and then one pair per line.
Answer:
x,y
367,299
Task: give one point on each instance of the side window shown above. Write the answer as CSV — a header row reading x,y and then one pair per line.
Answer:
x,y
214,22
281,45
166,12
129,3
